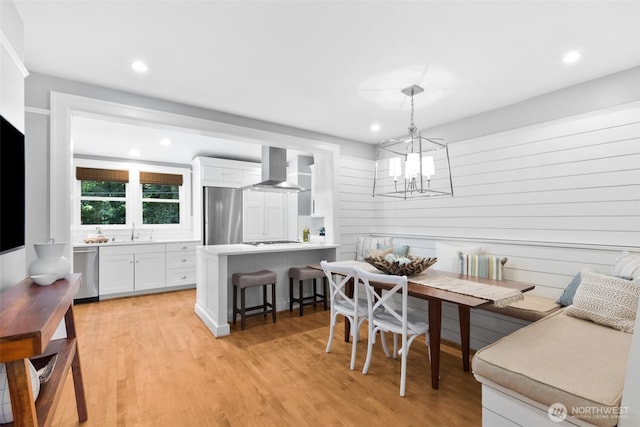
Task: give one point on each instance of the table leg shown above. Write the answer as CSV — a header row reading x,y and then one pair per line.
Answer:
x,y
464,314
435,320
76,370
21,393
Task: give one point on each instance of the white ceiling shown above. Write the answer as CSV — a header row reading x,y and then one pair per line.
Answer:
x,y
332,67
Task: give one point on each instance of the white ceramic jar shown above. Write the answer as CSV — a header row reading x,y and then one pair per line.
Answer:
x,y
50,260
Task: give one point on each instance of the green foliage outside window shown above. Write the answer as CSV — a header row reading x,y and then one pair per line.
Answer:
x,y
161,204
160,213
93,212
95,206
105,202
103,189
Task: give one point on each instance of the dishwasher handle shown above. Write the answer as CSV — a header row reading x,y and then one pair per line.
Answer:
x,y
85,251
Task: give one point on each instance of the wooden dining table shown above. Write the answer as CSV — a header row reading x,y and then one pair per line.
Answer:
x,y
435,297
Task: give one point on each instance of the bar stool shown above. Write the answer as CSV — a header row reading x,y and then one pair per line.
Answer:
x,y
305,273
243,281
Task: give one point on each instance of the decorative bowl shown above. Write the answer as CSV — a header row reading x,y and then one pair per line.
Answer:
x,y
44,279
415,265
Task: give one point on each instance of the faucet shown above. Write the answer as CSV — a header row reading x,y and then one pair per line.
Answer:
x,y
133,230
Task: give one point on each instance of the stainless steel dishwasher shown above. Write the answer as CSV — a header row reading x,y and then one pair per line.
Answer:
x,y
85,261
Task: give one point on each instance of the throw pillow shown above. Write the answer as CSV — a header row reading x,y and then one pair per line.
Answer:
x,y
448,259
396,250
379,252
606,300
486,266
626,265
365,244
566,299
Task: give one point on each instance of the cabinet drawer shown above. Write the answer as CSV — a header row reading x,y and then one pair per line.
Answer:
x,y
181,259
182,246
132,249
181,276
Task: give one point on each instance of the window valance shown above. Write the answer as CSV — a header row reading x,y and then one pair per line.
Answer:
x,y
92,174
160,178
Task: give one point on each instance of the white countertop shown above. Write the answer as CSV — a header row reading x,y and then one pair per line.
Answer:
x,y
244,249
131,242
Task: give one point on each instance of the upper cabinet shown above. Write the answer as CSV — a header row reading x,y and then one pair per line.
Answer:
x,y
211,172
316,201
213,176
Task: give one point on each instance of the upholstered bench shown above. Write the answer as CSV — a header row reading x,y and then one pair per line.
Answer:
x,y
557,360
531,308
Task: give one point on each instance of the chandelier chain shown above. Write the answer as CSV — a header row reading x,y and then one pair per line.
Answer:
x,y
412,125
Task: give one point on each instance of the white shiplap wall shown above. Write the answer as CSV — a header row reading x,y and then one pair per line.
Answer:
x,y
553,198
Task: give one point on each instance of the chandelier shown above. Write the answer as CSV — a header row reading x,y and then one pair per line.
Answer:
x,y
422,164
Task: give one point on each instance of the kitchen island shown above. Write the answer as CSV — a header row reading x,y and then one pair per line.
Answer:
x,y
216,263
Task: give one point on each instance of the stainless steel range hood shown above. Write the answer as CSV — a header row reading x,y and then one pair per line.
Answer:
x,y
274,173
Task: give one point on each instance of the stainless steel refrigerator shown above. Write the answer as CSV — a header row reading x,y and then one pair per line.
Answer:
x,y
222,215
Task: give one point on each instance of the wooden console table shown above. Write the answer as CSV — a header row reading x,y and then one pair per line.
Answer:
x,y
29,316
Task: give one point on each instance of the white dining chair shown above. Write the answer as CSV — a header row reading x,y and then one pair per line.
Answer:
x,y
354,310
385,317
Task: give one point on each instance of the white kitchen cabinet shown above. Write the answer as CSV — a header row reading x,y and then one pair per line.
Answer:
x,y
214,176
116,272
250,177
212,172
181,263
149,271
128,268
263,216
316,201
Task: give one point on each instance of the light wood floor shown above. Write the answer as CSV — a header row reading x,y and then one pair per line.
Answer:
x,y
150,361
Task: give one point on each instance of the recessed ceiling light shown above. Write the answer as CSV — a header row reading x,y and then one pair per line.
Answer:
x,y
139,66
375,127
134,152
165,141
571,57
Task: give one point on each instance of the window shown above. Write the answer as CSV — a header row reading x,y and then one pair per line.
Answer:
x,y
102,196
120,197
160,198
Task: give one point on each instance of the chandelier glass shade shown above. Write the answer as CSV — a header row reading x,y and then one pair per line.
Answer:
x,y
413,166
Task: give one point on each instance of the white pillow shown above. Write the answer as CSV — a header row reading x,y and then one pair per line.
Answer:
x,y
606,300
448,258
626,265
365,244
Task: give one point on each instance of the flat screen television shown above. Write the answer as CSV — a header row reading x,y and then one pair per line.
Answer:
x,y
12,187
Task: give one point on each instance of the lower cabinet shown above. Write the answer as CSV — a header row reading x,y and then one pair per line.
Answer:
x,y
181,263
139,267
129,268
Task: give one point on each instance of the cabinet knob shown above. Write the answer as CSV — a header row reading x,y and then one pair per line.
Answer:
x,y
184,247
184,276
184,260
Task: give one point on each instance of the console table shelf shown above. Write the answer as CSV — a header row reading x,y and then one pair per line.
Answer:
x,y
29,316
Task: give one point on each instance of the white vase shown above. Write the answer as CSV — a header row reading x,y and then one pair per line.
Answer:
x,y
50,260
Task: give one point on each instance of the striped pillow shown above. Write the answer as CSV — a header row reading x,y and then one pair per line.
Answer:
x,y
478,265
626,265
